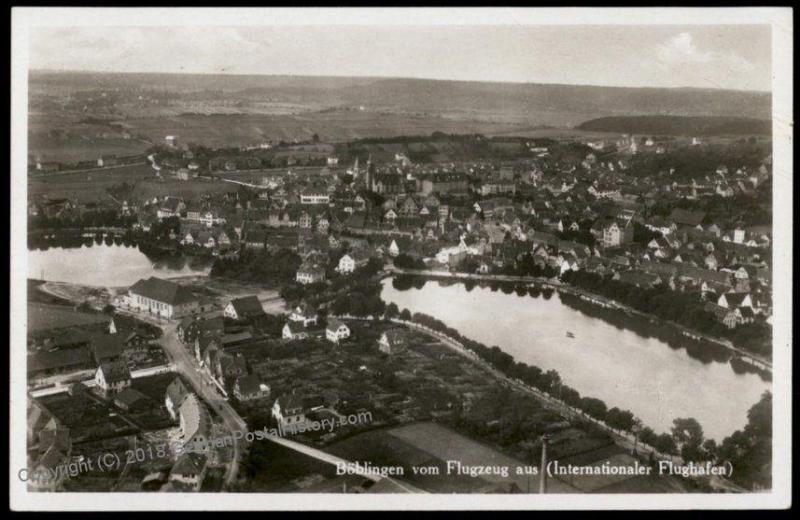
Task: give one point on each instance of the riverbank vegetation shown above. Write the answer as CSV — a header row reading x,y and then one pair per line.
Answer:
x,y
686,309
685,439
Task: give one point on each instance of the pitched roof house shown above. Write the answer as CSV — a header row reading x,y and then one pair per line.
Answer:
x,y
336,331
174,396
243,308
161,297
392,341
113,376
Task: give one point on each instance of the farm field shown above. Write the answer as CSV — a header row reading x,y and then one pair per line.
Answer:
x,y
86,186
42,316
82,148
238,130
147,189
92,186
429,444
53,136
446,444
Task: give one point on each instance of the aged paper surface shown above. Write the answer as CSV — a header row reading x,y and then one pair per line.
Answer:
x,y
401,259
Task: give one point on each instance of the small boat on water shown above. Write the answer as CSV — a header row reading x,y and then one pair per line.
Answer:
x,y
570,335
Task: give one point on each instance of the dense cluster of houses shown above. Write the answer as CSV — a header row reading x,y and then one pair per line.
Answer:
x,y
97,347
491,213
494,214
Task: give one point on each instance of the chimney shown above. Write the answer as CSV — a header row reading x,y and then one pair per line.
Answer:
x,y
543,469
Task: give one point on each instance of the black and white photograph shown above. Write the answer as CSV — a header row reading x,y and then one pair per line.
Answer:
x,y
382,259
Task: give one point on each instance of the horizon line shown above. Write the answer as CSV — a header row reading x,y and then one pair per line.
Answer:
x,y
416,78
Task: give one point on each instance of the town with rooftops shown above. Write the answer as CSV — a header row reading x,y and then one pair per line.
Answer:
x,y
324,285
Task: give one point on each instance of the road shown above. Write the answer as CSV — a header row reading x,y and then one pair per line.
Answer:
x,y
333,459
187,366
183,361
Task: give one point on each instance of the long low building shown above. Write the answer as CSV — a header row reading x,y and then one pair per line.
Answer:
x,y
162,298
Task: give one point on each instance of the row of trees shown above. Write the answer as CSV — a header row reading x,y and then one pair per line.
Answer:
x,y
749,449
80,220
549,382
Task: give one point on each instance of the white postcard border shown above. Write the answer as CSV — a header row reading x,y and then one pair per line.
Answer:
x,y
782,37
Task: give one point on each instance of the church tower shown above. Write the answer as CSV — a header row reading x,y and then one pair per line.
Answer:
x,y
370,175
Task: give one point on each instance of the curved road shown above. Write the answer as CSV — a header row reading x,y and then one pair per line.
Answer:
x,y
187,366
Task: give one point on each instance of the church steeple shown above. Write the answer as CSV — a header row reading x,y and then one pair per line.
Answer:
x,y
370,174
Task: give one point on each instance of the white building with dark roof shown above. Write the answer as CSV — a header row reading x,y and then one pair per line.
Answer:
x,y
289,411
249,387
113,377
242,308
188,472
162,298
336,331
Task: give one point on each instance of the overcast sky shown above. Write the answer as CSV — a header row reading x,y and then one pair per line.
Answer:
x,y
735,57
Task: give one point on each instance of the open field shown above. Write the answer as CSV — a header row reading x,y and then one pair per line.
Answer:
x,y
55,136
86,186
149,188
250,129
42,317
92,186
82,115
428,445
510,101
446,444
79,147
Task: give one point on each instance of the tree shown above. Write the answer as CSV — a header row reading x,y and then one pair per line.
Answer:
x,y
688,434
392,311
620,419
405,315
292,292
550,381
594,407
709,449
664,443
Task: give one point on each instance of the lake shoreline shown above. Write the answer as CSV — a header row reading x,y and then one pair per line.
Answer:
x,y
757,362
607,360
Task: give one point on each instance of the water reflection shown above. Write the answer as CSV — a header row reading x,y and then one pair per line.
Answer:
x,y
106,263
626,361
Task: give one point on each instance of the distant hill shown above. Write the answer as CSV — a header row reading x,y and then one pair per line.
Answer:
x,y
679,125
562,105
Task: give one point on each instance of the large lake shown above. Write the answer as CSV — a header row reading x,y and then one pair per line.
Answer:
x,y
104,265
644,375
